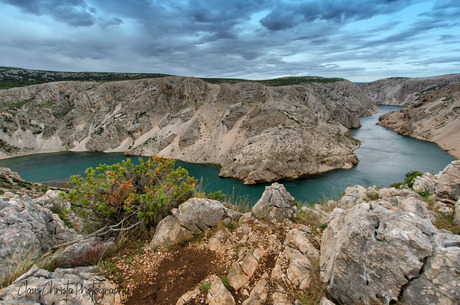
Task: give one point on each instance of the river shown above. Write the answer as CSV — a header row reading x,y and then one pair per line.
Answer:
x,y
384,158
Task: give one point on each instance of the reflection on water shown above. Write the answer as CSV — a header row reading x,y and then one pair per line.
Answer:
x,y
384,158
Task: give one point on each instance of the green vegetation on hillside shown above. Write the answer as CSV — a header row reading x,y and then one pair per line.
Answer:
x,y
17,77
276,82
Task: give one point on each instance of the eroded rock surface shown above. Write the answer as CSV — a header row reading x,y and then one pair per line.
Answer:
x,y
275,204
403,91
445,184
191,217
27,231
380,246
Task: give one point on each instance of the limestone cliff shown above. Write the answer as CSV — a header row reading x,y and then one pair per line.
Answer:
x,y
434,118
401,91
257,133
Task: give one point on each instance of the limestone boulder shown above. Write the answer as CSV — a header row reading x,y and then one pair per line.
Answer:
x,y
445,184
370,253
191,217
439,283
27,231
79,286
218,294
275,204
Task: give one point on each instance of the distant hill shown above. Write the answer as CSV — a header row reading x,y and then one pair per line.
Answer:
x,y
11,77
403,91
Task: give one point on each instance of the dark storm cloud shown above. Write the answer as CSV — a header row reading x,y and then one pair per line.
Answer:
x,y
290,14
233,38
72,12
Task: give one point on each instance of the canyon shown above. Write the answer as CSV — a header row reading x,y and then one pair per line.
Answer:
x,y
256,132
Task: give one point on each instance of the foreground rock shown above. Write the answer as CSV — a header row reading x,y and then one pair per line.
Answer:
x,y
380,246
445,184
257,133
191,217
435,117
28,230
78,286
275,204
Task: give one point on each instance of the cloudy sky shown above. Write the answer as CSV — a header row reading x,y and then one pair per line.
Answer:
x,y
361,40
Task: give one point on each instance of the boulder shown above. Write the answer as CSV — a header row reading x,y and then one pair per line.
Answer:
x,y
82,285
218,294
259,293
370,254
275,204
82,253
27,231
293,265
445,184
191,217
439,283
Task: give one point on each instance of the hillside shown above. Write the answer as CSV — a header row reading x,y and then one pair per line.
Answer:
x,y
435,117
256,132
402,91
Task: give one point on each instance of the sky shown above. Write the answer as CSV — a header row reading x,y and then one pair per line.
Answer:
x,y
360,40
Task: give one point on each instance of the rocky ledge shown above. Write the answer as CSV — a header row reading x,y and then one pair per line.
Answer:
x,y
255,132
373,246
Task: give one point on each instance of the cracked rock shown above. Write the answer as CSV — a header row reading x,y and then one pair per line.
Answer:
x,y
275,204
193,216
368,255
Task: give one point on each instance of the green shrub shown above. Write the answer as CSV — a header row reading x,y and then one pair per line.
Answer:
x,y
216,196
124,196
410,177
408,180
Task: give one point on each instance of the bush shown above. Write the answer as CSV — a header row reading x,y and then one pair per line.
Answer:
x,y
216,196
408,180
124,196
410,177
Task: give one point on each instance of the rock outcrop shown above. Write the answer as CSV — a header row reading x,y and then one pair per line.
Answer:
x,y
78,286
445,184
435,118
29,230
275,204
191,217
403,91
380,246
257,133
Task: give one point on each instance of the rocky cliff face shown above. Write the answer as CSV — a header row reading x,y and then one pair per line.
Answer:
x,y
257,133
402,91
434,118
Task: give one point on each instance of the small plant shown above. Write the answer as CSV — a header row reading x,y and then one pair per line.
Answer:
x,y
204,287
230,225
216,196
317,289
425,194
446,222
226,283
408,180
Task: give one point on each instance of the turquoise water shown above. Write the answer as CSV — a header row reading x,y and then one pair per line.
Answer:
x,y
384,158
